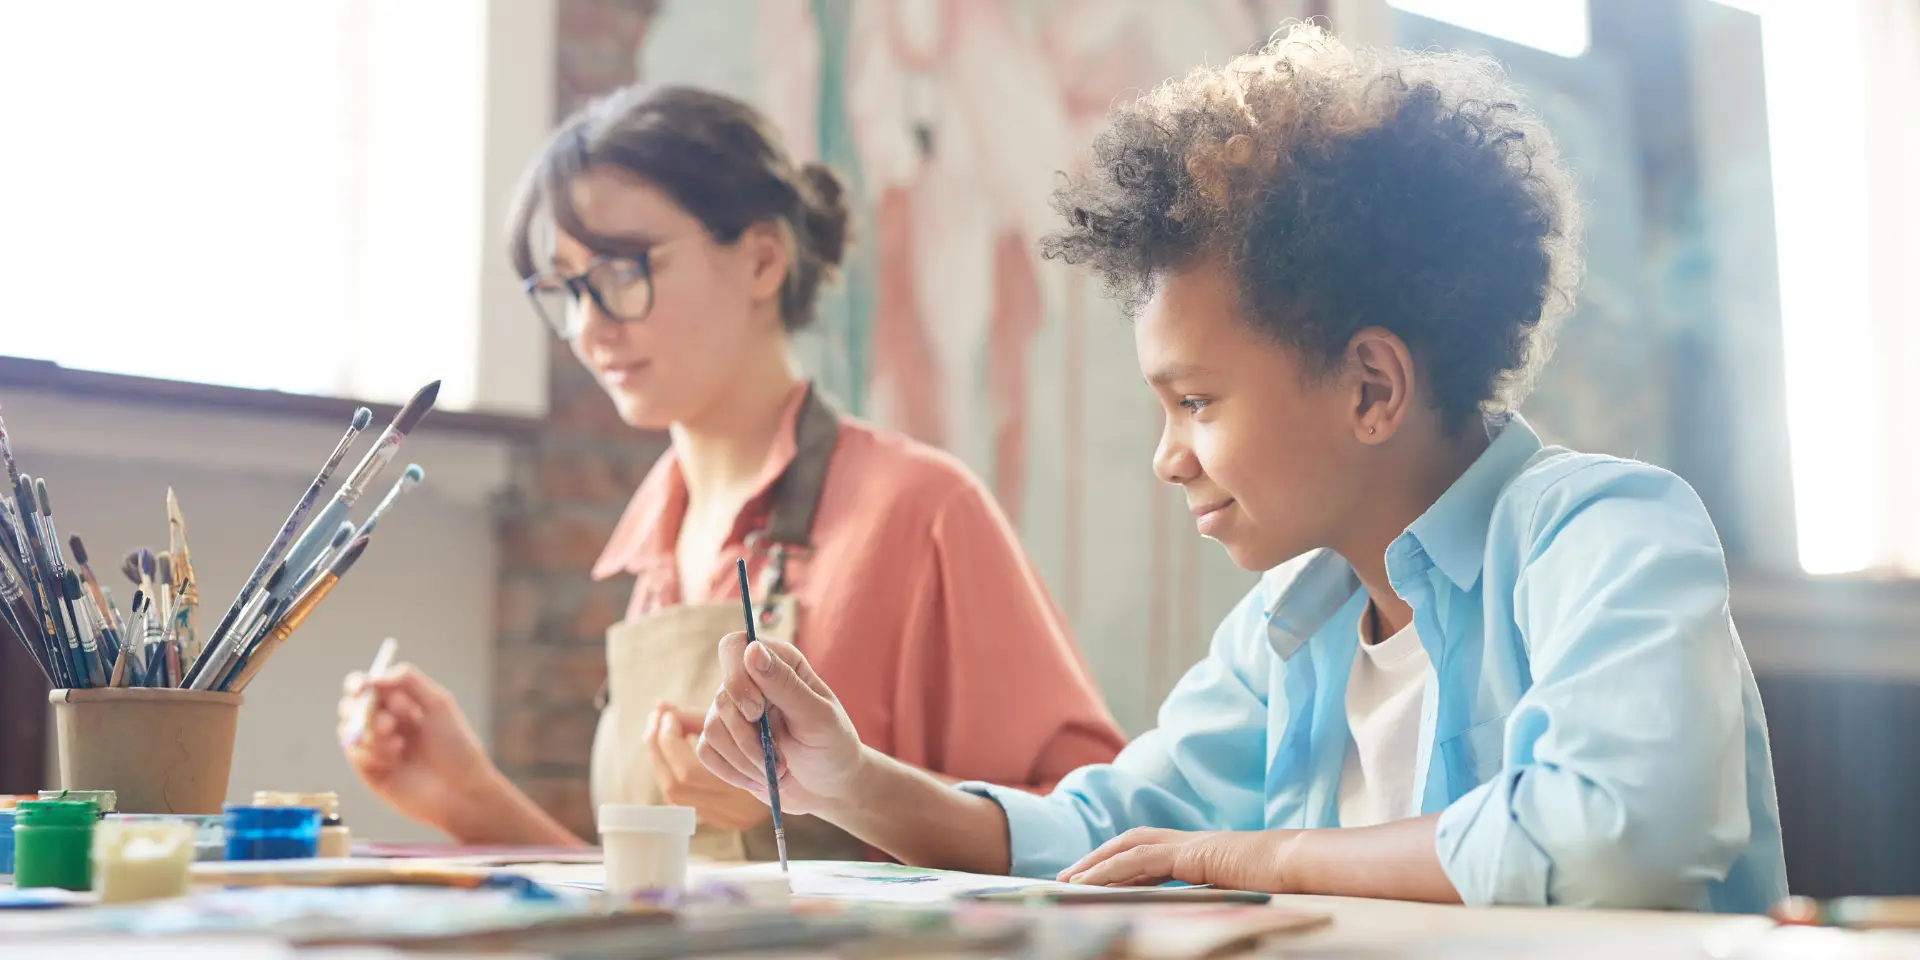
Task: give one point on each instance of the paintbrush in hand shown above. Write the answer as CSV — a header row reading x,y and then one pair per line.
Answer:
x,y
766,729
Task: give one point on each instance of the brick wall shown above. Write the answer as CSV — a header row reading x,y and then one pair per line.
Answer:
x,y
570,487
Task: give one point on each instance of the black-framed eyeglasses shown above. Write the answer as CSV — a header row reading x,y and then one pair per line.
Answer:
x,y
622,287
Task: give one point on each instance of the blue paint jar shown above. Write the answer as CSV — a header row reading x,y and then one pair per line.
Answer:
x,y
6,843
272,833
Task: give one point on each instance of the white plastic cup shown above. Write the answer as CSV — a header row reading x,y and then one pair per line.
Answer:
x,y
142,859
645,847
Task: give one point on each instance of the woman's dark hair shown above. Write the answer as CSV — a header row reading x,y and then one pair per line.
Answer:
x,y
1344,189
718,158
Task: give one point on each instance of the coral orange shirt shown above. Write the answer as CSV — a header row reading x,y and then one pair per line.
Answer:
x,y
917,606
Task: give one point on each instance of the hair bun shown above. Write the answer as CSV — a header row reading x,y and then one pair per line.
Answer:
x,y
824,212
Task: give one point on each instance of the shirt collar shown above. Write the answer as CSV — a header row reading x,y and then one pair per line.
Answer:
x,y
1453,532
651,524
1308,591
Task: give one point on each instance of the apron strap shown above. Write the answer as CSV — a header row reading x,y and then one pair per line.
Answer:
x,y
795,497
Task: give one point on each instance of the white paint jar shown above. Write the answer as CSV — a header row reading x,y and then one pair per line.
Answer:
x,y
645,848
142,860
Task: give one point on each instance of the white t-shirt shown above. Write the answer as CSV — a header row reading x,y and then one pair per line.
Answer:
x,y
1383,718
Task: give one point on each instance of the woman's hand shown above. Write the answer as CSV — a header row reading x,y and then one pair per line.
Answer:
x,y
819,752
415,749
672,736
1146,856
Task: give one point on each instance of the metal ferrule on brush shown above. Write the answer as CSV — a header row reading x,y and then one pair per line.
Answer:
x,y
370,466
384,448
211,667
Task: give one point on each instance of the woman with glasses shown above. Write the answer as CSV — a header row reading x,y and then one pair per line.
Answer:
x,y
668,237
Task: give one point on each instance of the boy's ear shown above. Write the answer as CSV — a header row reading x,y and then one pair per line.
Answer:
x,y
1384,383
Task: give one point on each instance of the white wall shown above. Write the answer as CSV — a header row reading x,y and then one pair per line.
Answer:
x,y
520,79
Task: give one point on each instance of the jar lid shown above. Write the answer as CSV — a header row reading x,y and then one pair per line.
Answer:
x,y
625,816
197,819
243,819
53,813
327,802
104,801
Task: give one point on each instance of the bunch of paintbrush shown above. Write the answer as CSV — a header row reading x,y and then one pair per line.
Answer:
x,y
41,603
301,572
67,620
161,615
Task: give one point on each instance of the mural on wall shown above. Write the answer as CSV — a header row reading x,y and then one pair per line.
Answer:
x,y
953,119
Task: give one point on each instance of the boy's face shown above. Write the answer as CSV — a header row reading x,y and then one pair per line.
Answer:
x,y
1265,453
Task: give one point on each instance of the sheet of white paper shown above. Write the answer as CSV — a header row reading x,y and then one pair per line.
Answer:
x,y
873,882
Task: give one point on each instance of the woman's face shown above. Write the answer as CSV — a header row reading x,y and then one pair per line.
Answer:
x,y
714,305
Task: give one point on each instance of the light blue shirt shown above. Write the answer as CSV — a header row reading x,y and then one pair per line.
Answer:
x,y
1590,732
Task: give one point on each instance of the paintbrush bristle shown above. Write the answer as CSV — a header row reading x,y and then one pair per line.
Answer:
x,y
340,536
131,566
148,566
279,573
40,494
79,549
416,408
163,568
26,493
412,477
349,557
361,418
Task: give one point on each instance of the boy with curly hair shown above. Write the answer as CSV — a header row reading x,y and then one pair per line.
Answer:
x,y
1477,668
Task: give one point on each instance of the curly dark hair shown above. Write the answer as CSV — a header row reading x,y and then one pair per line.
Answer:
x,y
1345,188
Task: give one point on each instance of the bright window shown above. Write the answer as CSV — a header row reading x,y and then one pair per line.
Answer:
x,y
1843,115
1556,26
260,194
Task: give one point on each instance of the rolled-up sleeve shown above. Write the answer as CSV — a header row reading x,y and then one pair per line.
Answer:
x,y
1623,779
1201,768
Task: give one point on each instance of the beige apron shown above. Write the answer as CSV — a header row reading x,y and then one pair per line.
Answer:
x,y
672,656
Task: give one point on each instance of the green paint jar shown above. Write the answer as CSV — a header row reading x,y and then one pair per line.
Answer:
x,y
53,844
104,801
